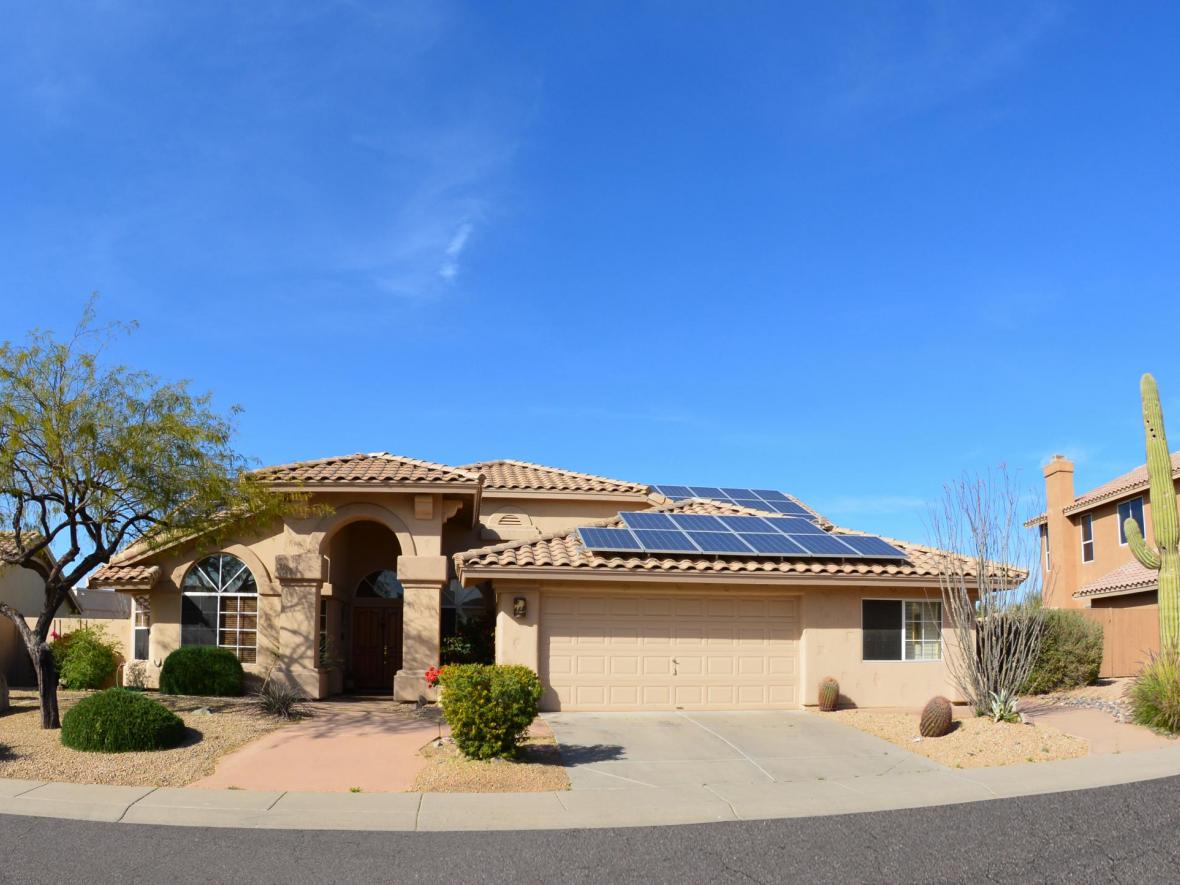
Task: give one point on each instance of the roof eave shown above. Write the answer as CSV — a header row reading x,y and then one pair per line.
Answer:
x,y
564,494
481,573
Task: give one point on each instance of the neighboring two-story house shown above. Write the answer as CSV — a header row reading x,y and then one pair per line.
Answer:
x,y
1088,564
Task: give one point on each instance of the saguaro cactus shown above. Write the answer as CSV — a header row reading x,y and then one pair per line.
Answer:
x,y
1165,556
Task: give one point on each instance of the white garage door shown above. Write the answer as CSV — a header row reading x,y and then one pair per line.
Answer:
x,y
632,652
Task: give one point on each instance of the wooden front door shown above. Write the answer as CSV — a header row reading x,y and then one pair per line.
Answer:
x,y
376,646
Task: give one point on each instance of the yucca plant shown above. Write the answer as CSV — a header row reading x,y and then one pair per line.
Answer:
x,y
275,699
1155,693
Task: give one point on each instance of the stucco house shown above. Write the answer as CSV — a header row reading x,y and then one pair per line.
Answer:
x,y
403,553
1089,566
24,590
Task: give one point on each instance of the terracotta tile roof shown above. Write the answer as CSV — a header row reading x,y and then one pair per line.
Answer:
x,y
506,474
8,545
124,577
1124,579
1130,482
375,469
564,550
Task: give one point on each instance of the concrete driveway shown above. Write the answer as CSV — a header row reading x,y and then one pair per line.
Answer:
x,y
604,751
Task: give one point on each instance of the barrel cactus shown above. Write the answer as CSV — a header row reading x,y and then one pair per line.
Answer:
x,y
936,718
1165,556
829,694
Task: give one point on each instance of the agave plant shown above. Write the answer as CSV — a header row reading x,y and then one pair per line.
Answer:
x,y
275,699
1003,707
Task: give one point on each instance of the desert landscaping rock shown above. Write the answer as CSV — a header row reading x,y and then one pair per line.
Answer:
x,y
974,742
34,753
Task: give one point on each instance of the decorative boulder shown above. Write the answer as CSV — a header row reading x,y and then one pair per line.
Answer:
x,y
829,694
936,718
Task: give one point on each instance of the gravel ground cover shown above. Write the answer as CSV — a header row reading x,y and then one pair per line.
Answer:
x,y
216,727
1108,695
537,769
973,743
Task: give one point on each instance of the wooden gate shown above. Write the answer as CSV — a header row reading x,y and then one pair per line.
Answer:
x,y
1129,637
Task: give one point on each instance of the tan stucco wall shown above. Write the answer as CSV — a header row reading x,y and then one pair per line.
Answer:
x,y
830,639
832,646
550,514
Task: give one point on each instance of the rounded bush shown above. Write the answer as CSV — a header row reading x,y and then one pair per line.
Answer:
x,y
936,718
120,721
1070,653
829,694
85,658
1155,693
489,707
202,670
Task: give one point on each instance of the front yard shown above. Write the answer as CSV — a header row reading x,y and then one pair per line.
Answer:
x,y
216,727
974,742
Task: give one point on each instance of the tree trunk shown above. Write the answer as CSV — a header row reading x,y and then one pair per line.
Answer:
x,y
46,669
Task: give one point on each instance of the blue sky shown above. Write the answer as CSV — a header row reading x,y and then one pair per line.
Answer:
x,y
845,250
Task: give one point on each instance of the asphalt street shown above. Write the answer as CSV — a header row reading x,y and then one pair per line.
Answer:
x,y
1116,834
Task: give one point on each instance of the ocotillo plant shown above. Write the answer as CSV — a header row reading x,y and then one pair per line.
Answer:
x,y
1165,556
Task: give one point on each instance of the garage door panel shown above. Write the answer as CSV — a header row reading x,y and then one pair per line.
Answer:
x,y
663,652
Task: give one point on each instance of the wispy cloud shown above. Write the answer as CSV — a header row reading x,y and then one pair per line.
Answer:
x,y
905,59
450,265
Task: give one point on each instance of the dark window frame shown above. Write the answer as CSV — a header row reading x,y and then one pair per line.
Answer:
x,y
1132,505
1087,527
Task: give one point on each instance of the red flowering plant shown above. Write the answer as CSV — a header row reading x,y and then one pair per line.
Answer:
x,y
432,676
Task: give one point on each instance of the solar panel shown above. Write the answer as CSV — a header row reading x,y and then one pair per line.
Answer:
x,y
674,492
719,542
867,545
696,522
746,523
792,534
779,545
609,540
655,541
824,545
793,525
643,520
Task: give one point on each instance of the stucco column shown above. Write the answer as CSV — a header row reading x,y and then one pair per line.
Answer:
x,y
300,577
423,578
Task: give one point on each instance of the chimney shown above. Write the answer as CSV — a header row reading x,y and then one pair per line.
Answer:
x,y
1061,580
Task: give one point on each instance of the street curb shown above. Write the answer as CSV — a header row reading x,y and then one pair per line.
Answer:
x,y
575,809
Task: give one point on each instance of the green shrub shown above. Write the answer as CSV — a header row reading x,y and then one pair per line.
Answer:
x,y
280,701
489,707
202,670
1155,693
85,658
1070,655
120,721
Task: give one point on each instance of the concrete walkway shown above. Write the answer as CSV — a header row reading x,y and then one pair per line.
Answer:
x,y
345,745
627,807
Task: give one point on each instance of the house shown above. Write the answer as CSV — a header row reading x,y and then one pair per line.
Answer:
x,y
1089,566
404,553
24,590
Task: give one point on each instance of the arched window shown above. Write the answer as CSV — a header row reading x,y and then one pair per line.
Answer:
x,y
380,585
220,606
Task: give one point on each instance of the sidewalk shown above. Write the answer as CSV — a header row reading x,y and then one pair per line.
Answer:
x,y
596,808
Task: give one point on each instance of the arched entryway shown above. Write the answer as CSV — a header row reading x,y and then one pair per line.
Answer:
x,y
366,606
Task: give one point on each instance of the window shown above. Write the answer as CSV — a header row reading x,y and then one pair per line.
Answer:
x,y
380,585
1045,545
1132,509
219,606
1087,537
141,615
460,605
901,630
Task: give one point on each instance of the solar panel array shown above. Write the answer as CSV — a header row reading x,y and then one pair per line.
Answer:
x,y
759,499
703,534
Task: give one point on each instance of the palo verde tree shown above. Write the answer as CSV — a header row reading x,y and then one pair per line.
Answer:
x,y
96,457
